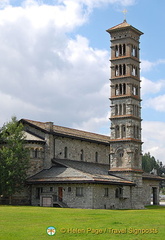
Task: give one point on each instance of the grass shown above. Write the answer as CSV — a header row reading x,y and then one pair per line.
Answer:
x,y
30,223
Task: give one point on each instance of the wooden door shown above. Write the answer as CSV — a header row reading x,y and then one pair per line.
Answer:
x,y
60,194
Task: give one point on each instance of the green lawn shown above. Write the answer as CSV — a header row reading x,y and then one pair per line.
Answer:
x,y
21,223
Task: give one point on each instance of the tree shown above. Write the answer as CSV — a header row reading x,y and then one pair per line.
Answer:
x,y
14,158
149,163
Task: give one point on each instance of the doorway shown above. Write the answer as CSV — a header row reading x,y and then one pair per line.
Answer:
x,y
155,196
60,193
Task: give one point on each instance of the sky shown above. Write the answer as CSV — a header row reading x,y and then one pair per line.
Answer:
x,y
54,63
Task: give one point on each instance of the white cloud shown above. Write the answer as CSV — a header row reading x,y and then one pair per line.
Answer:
x,y
153,136
149,86
47,75
147,66
157,103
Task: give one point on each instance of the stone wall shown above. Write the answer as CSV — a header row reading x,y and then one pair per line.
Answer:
x,y
94,196
75,148
147,191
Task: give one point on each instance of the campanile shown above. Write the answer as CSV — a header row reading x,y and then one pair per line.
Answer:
x,y
125,144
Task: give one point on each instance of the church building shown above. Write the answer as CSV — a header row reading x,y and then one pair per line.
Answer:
x,y
78,169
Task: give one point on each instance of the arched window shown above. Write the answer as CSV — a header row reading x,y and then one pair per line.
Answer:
x,y
36,153
117,132
136,52
116,51
119,192
120,109
124,88
120,70
124,50
116,109
119,160
116,90
96,157
120,89
65,152
124,69
120,50
124,109
116,71
123,131
136,71
82,155
136,90
133,70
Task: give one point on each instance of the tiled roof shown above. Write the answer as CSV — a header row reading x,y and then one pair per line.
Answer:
x,y
152,177
123,25
70,131
67,171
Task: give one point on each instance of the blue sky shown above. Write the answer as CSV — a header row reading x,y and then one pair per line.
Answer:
x,y
54,63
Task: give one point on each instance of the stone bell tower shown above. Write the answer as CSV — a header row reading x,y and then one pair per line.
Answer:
x,y
125,144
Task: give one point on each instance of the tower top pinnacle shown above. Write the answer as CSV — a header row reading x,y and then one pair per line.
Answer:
x,y
125,12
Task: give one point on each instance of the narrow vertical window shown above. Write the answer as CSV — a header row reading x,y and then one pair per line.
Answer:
x,y
124,88
120,89
136,90
136,71
106,193
120,50
116,109
96,157
116,90
124,69
117,132
124,109
116,71
116,51
82,155
124,50
136,52
66,152
120,70
120,109
123,131
36,153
